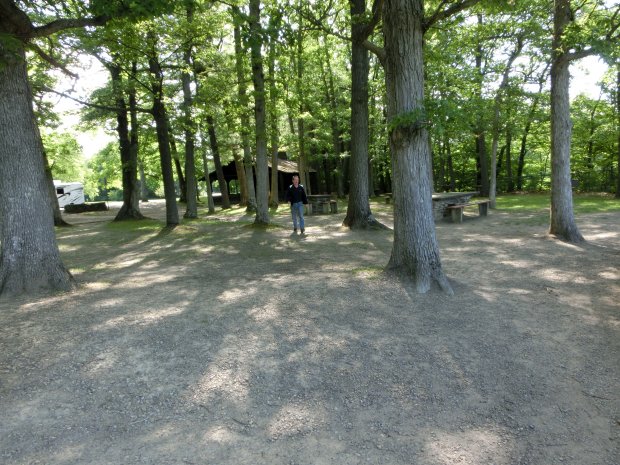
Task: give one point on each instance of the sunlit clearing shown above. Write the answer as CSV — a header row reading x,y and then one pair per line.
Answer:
x,y
219,434
232,295
556,275
145,318
295,419
473,447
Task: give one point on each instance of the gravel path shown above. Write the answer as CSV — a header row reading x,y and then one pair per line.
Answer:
x,y
217,343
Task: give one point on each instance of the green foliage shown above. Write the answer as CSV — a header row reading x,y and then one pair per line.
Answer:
x,y
64,155
104,177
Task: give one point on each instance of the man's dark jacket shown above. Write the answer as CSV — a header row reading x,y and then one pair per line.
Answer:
x,y
296,194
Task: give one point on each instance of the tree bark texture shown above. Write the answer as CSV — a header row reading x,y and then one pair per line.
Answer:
x,y
258,78
562,221
163,140
29,256
177,163
359,215
244,117
131,207
415,251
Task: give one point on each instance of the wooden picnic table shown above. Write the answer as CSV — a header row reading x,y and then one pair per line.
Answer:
x,y
322,204
443,200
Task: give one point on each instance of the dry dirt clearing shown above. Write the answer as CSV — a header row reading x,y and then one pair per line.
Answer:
x,y
216,343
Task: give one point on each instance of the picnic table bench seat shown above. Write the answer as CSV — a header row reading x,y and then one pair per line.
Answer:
x,y
456,211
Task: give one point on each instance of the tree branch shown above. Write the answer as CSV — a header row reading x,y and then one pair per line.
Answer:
x,y
69,23
94,105
51,60
443,14
378,51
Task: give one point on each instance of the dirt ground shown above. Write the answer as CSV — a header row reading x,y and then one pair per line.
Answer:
x,y
217,343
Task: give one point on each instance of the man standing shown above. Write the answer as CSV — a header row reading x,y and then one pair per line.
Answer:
x,y
296,195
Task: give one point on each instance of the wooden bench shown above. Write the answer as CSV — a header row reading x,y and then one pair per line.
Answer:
x,y
456,211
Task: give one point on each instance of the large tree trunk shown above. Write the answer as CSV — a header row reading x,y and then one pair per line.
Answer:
x,y
131,207
358,214
219,170
262,171
562,224
163,138
244,117
415,251
29,256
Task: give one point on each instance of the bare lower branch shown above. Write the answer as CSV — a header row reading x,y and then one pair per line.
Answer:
x,y
51,60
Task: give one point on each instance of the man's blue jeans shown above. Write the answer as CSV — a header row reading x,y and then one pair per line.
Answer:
x,y
297,210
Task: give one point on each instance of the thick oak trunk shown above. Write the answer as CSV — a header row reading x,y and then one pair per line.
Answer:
x,y
563,223
29,256
262,171
415,252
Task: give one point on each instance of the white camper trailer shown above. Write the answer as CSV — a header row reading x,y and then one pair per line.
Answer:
x,y
69,193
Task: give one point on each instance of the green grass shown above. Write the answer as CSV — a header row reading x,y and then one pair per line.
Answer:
x,y
583,203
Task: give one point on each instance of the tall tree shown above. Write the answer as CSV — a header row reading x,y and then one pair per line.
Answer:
x,y
262,181
359,215
243,108
415,252
162,128
565,49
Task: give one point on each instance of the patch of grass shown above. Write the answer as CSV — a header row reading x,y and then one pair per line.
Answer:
x,y
371,272
140,226
583,203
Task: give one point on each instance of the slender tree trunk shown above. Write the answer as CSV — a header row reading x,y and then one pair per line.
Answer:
x,y
415,251
205,164
177,163
131,207
562,221
618,128
29,256
359,215
510,183
140,192
262,171
273,125
244,117
528,124
481,146
144,194
163,137
302,162
496,119
191,210
219,170
335,126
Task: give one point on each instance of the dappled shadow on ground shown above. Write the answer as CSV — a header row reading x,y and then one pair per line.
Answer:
x,y
217,342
